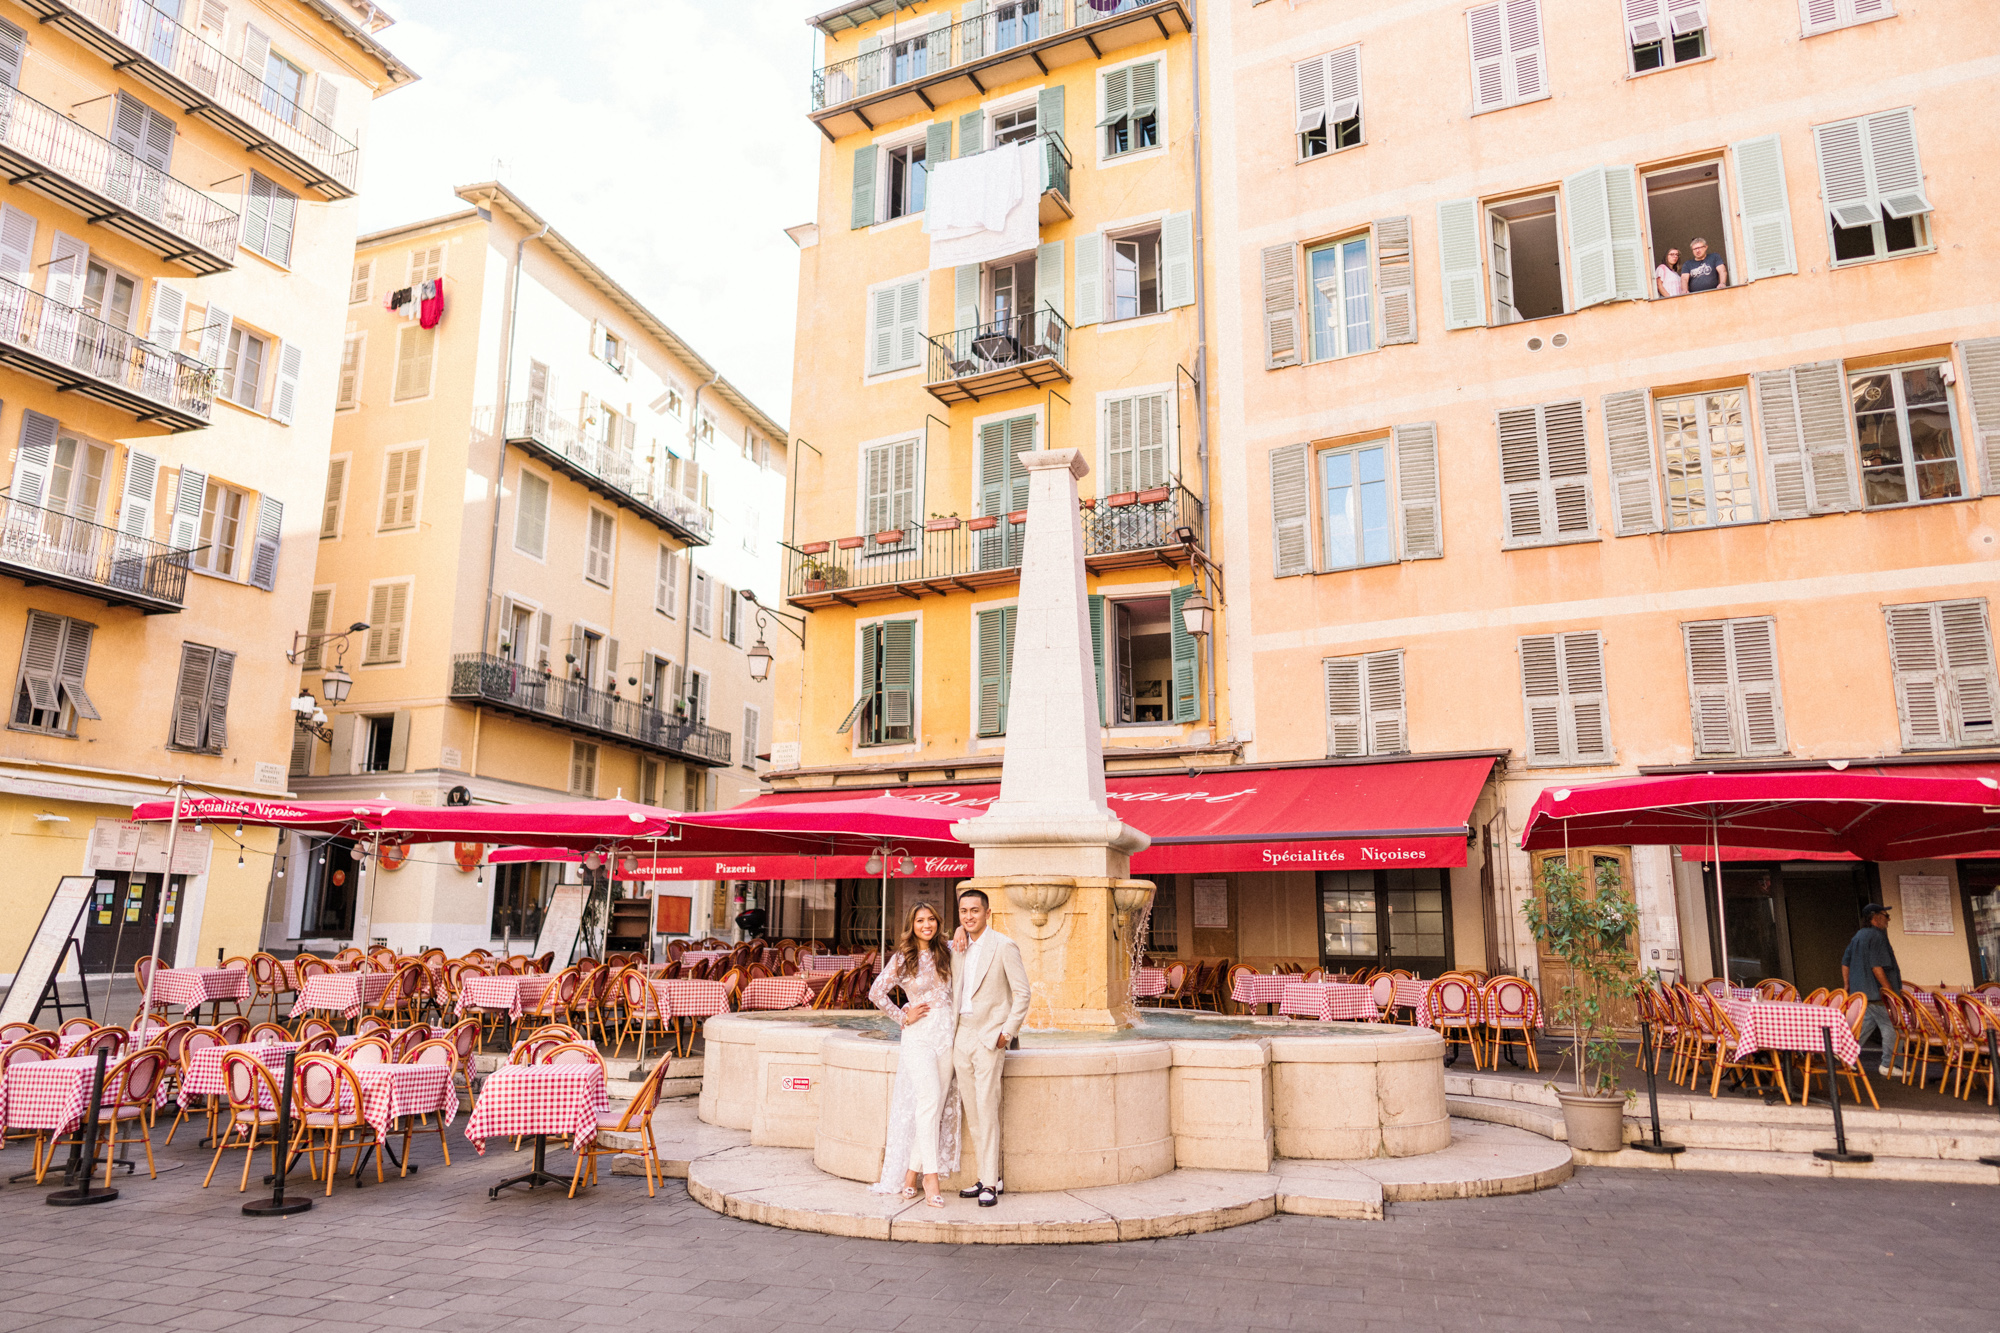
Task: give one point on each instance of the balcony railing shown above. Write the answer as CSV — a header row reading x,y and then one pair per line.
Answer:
x,y
545,697
1119,531
151,44
84,355
47,151
1055,174
1022,352
606,469
41,546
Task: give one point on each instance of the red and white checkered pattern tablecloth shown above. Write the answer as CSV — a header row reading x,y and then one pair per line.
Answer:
x,y
1409,992
288,971
692,999
692,956
539,1099
204,1069
389,1092
1329,1001
776,993
1148,982
1261,988
138,1037
193,987
52,1094
516,995
1782,1025
343,992
827,962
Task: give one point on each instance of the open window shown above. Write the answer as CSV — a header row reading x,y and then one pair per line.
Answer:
x,y
1012,126
906,177
1525,252
1139,661
1872,180
1135,275
1130,96
1664,33
1342,298
1327,96
1684,205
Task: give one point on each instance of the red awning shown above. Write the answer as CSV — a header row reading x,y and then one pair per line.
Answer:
x,y
1324,817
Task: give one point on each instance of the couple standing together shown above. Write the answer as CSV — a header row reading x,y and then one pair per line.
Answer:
x,y
965,1000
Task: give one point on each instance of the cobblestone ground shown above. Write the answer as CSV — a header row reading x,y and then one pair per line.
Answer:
x,y
1611,1250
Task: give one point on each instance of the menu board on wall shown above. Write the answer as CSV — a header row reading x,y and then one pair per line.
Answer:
x,y
142,848
1926,904
1211,904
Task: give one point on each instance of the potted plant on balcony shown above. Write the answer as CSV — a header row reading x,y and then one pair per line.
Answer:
x,y
982,523
1153,495
1588,928
941,523
815,574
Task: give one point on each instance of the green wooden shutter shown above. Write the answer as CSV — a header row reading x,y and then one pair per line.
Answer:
x,y
1177,260
909,315
1049,111
1020,440
971,133
937,144
1089,278
1187,660
965,302
899,675
864,186
996,669
1767,208
1458,254
1049,274
871,683
1097,649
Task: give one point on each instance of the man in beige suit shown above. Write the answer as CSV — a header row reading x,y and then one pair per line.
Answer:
x,y
989,992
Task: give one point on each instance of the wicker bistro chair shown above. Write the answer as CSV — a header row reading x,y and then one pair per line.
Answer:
x,y
234,1030
411,1037
1851,1013
193,1042
557,998
266,1033
1454,1008
311,1026
1176,992
1905,1057
570,1053
464,1037
635,1119
20,1053
1959,1036
1979,1017
103,1039
1929,1038
1382,988
142,972
1510,1005
529,1050
590,999
13,1032
253,1117
641,1007
326,1099
77,1027
324,1042
1229,987
372,1049
401,996
266,980
370,1024
1756,1063
131,1090
436,1051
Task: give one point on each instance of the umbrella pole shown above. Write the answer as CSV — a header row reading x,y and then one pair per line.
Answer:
x,y
159,920
1721,910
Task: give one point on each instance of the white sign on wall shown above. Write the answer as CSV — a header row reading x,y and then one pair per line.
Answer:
x,y
784,754
1926,904
142,848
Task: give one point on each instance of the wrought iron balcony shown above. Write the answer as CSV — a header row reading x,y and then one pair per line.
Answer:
x,y
944,555
607,470
47,151
1024,352
87,356
42,547
916,69
1055,178
571,705
151,44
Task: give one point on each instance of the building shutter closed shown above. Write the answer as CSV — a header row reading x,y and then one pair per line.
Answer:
x,y
1563,691
1396,280
1417,490
1281,306
1628,449
270,536
1545,475
996,664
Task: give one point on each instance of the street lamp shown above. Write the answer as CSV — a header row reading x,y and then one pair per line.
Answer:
x,y
760,660
334,683
760,652
1197,616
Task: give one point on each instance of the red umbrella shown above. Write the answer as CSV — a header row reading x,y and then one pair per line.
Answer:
x,y
855,827
313,816
578,825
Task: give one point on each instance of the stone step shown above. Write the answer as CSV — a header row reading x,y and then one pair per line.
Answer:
x,y
1954,1117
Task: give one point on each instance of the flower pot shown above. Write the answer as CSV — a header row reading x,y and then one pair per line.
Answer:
x,y
940,525
815,585
981,524
814,548
1122,499
850,543
1155,495
1594,1123
889,537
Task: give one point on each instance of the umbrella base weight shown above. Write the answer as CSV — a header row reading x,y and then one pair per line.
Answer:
x,y
1836,1155
276,1207
1664,1149
76,1198
1990,1161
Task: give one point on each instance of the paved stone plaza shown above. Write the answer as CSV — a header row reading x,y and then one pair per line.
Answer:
x,y
1609,1250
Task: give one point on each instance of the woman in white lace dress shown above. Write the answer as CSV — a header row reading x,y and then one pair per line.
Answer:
x,y
923,1108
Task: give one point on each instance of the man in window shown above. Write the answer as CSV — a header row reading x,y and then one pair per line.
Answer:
x,y
1699,271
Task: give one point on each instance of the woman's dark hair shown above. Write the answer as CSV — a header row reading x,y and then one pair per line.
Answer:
x,y
911,949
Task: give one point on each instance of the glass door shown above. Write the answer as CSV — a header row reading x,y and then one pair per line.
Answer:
x,y
1385,918
118,928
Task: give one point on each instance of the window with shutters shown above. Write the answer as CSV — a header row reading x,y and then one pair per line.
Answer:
x,y
1342,298
1326,94
109,295
894,326
1505,43
388,622
1002,488
415,350
1941,655
1524,256
1011,126
200,720
600,544
666,581
993,639
347,390
732,617
1818,16
1131,108
319,617
1872,184
426,263
903,179
361,287
1545,476
531,514
1736,704
1365,710
402,475
701,603
1685,205
1665,33
1906,428
1132,275
270,214
243,370
74,483
1563,692
1134,453
1705,461
333,509
217,549
889,500
1355,506
582,768
49,695
1148,665
885,706
751,721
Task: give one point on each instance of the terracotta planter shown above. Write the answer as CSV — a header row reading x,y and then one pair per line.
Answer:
x,y
1595,1124
981,524
814,548
1018,516
850,543
889,537
815,585
1154,496
1123,498
941,525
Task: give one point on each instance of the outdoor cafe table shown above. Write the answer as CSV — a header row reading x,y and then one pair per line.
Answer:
x,y
776,993
341,992
1149,982
1261,988
827,962
390,1092
516,995
1329,1001
692,999
140,1037
1784,1025
1408,992
52,1094
192,987
540,1100
692,956
204,1068
288,971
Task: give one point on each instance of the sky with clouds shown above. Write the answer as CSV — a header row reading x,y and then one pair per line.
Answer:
x,y
665,138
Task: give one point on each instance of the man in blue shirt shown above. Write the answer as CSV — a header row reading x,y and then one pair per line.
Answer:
x,y
1869,966
1701,271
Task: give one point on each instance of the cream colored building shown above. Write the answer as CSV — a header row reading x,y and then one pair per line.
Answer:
x,y
176,234
544,506
1500,492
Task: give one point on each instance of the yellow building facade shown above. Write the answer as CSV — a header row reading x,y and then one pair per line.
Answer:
x,y
175,236
1505,481
544,505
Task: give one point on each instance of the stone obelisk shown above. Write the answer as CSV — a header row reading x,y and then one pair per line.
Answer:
x,y
1048,852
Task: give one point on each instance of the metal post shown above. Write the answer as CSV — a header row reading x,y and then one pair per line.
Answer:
x,y
1993,1066
1653,1097
1837,1153
160,916
278,1205
82,1194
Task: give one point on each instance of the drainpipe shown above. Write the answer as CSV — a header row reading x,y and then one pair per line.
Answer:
x,y
687,620
500,473
1200,355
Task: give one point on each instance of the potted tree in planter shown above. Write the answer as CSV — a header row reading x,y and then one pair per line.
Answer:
x,y
1589,928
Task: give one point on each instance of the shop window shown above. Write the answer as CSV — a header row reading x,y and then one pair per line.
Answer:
x,y
520,895
1385,918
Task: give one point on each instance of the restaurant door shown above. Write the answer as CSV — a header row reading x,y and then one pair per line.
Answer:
x,y
1589,862
1979,881
118,928
1791,921
1385,918
328,913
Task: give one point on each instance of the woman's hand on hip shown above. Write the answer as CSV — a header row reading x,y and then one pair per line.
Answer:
x,y
913,1013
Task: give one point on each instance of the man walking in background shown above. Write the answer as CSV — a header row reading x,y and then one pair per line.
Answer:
x,y
1869,966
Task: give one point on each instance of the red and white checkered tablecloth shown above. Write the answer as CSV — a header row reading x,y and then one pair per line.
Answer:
x,y
1148,982
138,1037
52,1094
288,971
692,999
1260,987
1329,1001
203,1077
692,956
776,993
539,1099
516,995
193,987
1783,1025
826,962
342,992
389,1092
1409,992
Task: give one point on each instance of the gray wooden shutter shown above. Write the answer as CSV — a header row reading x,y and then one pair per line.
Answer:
x,y
964,302
32,461
169,315
264,556
1709,687
1568,712
1784,449
864,186
1049,279
909,315
1309,94
1281,306
320,611
135,509
1545,474
1844,185
1346,708
1418,493
1119,470
191,695
214,338
215,728
1628,450
1753,670
1825,434
1521,478
1584,697
1049,102
1396,280
1527,77
1766,206
937,144
1589,213
1186,659
1568,445
971,133
881,330
1981,357
13,46
1458,256
1149,441
188,491
1916,658
1388,724
1097,627
1541,692
285,396
1974,690
1291,510
1089,278
1893,162
996,666
336,498
899,673
399,741
41,657
1177,260
326,103
1487,41
72,666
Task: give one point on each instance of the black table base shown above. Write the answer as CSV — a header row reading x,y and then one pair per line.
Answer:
x,y
536,1177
